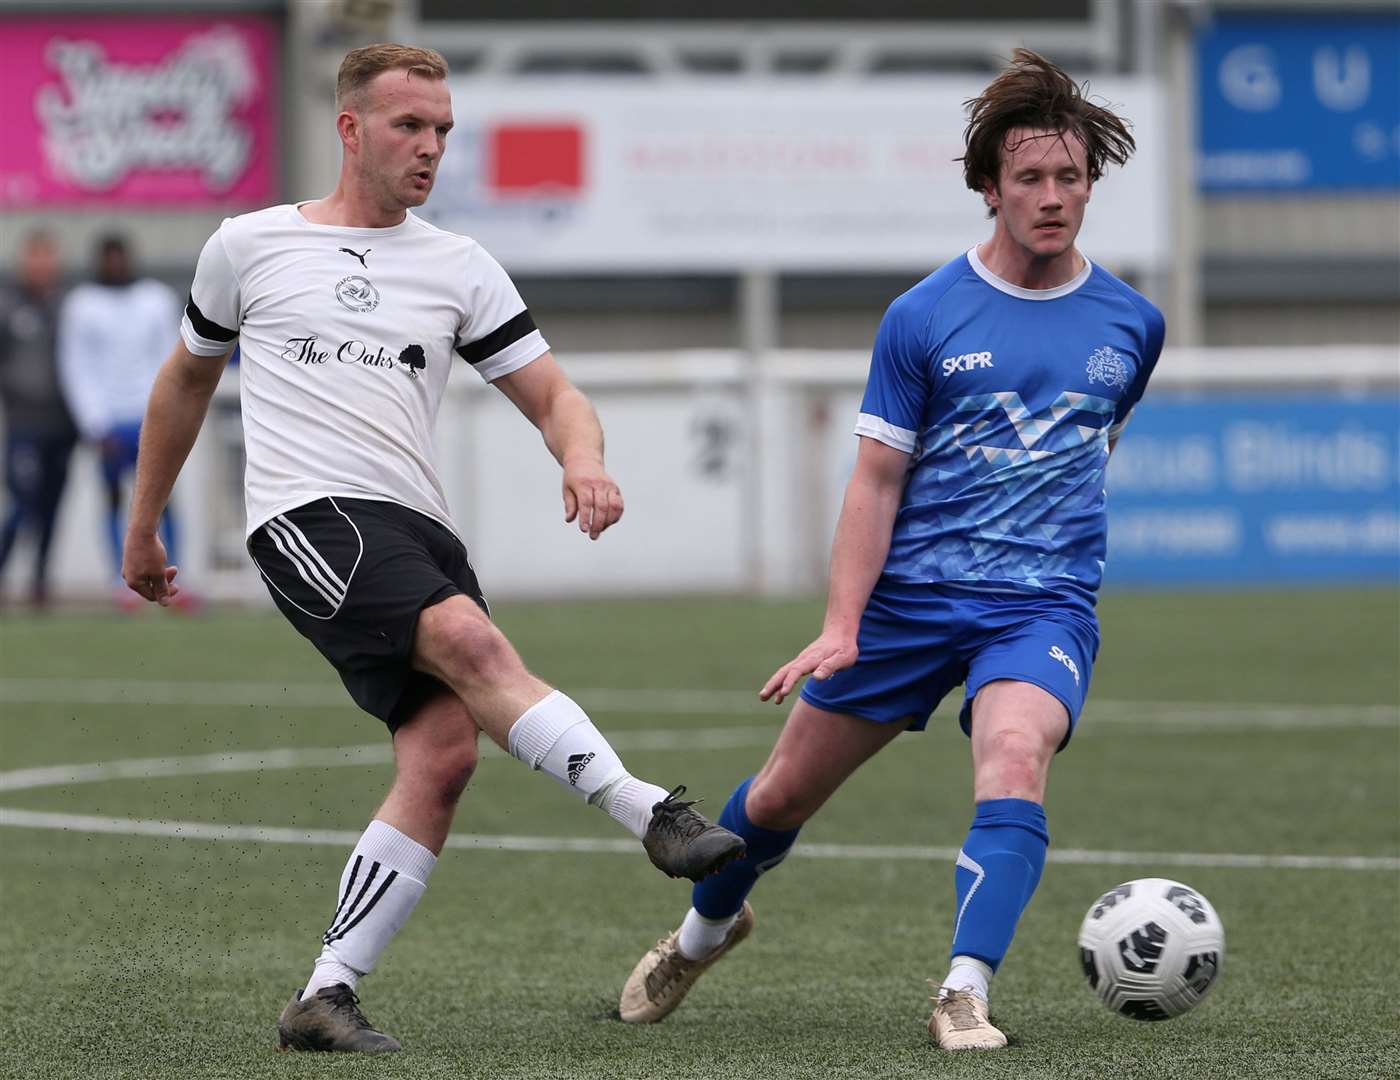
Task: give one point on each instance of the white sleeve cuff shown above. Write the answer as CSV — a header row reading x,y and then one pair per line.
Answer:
x,y
203,346
881,430
513,357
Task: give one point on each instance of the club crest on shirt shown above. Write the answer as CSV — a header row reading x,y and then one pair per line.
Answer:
x,y
413,360
357,293
1108,367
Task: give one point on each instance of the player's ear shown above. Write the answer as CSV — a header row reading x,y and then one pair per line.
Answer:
x,y
991,196
348,125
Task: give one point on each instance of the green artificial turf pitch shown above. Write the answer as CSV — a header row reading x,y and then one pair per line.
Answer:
x,y
154,956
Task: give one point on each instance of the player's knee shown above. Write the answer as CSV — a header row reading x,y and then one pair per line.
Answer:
x,y
454,771
474,650
772,804
446,772
1015,763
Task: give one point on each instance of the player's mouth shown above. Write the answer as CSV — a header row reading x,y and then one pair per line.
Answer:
x,y
1050,227
423,178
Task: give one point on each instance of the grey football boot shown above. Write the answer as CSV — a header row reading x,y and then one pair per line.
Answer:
x,y
681,843
330,1019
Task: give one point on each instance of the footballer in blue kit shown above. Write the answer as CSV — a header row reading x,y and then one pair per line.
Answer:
x,y
970,545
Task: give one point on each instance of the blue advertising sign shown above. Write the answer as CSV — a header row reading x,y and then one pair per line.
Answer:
x,y
1256,488
1299,102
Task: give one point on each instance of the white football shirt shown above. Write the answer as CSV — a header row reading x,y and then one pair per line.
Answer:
x,y
347,337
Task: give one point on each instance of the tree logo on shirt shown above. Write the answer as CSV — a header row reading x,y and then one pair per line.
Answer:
x,y
357,293
1108,367
413,360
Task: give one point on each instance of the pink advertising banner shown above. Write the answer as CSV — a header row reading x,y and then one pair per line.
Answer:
x,y
170,111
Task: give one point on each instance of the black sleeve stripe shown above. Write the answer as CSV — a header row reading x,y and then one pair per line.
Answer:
x,y
505,335
204,328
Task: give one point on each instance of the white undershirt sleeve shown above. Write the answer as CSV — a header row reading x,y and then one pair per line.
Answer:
x,y
213,313
497,334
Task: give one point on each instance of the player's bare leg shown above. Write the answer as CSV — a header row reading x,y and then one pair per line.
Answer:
x,y
435,753
1016,729
545,729
814,754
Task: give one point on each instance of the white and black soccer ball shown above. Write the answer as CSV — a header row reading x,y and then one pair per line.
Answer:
x,y
1151,948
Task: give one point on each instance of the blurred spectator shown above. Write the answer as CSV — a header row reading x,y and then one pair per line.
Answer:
x,y
39,432
113,335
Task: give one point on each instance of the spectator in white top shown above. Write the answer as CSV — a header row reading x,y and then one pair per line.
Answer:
x,y
112,335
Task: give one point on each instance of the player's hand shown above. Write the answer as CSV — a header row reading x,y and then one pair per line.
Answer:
x,y
822,659
591,497
144,569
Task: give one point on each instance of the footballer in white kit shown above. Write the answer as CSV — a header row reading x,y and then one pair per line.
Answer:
x,y
350,312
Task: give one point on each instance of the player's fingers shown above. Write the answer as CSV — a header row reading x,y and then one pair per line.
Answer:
x,y
611,506
598,514
585,508
774,682
795,671
570,504
830,665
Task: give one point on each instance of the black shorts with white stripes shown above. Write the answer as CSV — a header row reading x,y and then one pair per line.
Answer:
x,y
352,576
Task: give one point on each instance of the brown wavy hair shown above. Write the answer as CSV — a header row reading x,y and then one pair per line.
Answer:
x,y
1034,93
362,65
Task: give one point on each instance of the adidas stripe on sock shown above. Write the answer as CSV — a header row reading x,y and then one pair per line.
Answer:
x,y
557,737
379,887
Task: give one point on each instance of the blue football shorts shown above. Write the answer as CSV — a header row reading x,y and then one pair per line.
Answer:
x,y
917,642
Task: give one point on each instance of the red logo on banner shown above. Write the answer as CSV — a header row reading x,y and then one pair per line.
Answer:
x,y
535,159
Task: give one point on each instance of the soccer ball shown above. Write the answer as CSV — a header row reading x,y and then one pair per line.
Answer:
x,y
1151,948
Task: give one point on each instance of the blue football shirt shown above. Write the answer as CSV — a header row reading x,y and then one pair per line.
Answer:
x,y
1006,398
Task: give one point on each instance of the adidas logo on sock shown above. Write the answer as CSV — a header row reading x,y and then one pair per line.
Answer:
x,y
577,763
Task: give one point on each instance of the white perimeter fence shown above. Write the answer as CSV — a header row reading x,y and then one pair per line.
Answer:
x,y
732,467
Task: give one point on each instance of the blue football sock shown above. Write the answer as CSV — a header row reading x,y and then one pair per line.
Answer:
x,y
721,895
998,869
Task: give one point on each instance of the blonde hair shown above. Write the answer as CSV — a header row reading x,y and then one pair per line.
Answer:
x,y
363,64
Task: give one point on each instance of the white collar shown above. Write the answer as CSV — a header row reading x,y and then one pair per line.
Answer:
x,y
980,269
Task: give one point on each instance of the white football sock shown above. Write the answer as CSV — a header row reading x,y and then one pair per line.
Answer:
x,y
382,881
328,971
556,736
700,936
968,973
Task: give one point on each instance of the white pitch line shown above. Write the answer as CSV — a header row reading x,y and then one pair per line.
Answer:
x,y
692,739
1150,716
198,830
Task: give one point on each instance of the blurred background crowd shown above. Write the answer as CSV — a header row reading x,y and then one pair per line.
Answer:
x,y
707,209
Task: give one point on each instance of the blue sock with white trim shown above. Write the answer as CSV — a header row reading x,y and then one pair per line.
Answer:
x,y
997,871
722,895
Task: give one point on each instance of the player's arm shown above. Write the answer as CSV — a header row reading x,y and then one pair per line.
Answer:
x,y
569,424
1154,332
857,556
179,401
